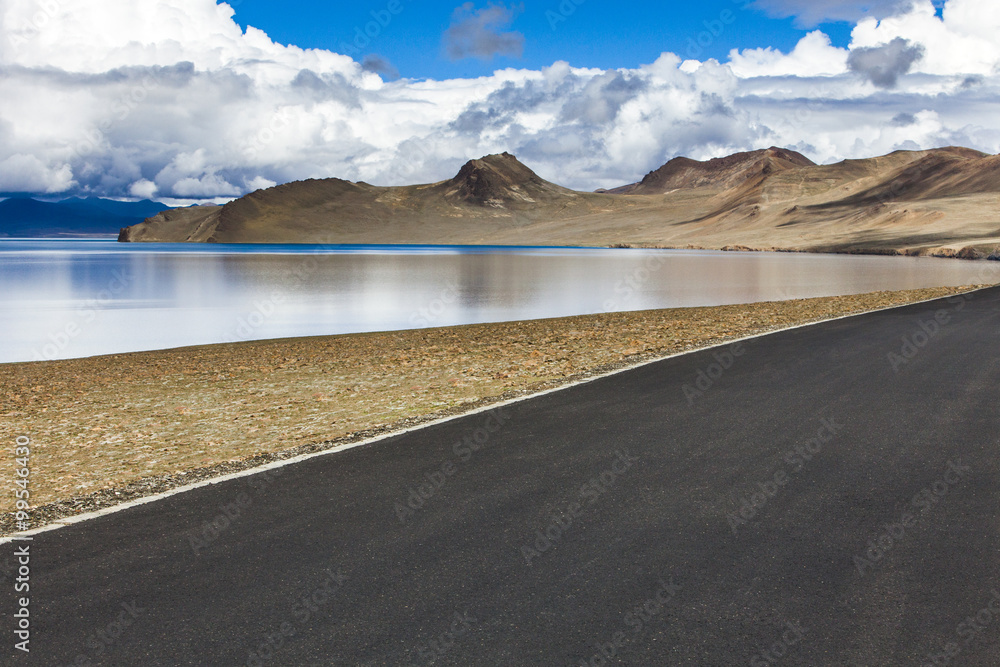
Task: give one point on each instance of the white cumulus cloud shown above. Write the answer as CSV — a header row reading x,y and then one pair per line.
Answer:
x,y
961,41
27,173
814,55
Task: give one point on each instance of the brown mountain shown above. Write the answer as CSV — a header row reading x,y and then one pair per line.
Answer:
x,y
941,201
734,170
500,181
486,197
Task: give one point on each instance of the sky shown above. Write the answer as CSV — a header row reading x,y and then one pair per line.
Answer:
x,y
593,34
194,100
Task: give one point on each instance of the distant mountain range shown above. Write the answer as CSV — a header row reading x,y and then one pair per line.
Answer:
x,y
30,218
942,202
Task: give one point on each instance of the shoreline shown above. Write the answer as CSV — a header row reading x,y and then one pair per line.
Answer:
x,y
987,251
972,252
111,429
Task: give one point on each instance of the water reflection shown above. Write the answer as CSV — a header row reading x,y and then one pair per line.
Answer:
x,y
64,299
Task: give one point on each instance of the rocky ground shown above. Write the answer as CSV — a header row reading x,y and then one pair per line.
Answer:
x,y
108,429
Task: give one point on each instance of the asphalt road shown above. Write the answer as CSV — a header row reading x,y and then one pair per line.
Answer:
x,y
819,502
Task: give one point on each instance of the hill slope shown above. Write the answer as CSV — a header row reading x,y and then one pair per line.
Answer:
x,y
729,171
921,202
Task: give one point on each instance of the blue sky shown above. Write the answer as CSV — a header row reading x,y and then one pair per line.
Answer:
x,y
598,33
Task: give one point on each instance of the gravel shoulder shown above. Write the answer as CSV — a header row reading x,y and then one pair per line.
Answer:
x,y
109,429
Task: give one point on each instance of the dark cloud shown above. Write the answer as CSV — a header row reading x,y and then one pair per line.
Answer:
x,y
502,106
714,105
591,102
809,13
479,33
602,98
903,119
474,121
379,65
178,75
883,65
327,87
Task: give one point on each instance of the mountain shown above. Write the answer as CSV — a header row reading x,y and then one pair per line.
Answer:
x,y
30,218
487,197
121,209
501,182
942,201
733,170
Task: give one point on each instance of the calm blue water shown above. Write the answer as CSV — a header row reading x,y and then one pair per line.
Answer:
x,y
74,298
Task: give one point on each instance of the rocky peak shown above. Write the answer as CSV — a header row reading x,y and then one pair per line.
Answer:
x,y
496,180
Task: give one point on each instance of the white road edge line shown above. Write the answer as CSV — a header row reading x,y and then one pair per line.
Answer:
x,y
80,518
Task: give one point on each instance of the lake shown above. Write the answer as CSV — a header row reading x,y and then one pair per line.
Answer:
x,y
74,298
